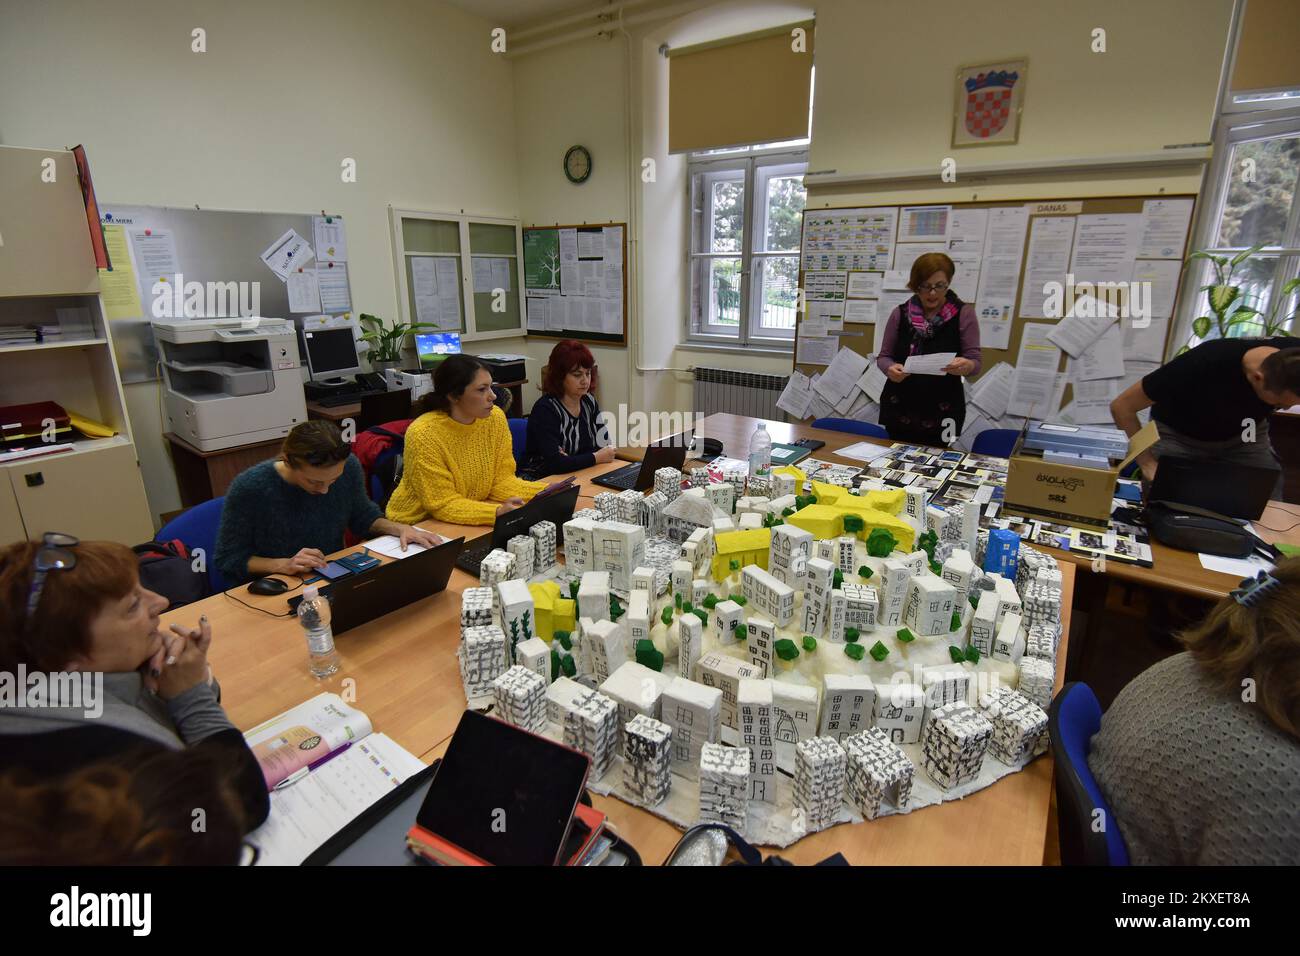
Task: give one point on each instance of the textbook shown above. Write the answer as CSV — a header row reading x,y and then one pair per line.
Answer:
x,y
324,766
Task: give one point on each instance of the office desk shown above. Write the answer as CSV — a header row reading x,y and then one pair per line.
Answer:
x,y
402,671
204,475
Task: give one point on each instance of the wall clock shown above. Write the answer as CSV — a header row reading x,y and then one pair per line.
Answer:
x,y
577,164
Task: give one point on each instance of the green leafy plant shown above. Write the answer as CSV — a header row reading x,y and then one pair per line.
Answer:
x,y
386,340
1231,306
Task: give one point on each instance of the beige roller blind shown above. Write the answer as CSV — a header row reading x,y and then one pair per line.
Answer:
x,y
1267,57
740,91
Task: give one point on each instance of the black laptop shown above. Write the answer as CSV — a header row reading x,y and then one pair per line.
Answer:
x,y
1236,491
640,476
556,508
360,598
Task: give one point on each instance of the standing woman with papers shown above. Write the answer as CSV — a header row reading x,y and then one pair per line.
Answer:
x,y
459,461
922,408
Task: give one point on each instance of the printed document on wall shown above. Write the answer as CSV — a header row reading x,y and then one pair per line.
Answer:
x,y
331,238
1034,381
117,287
1048,259
155,260
924,223
304,292
332,279
817,350
289,252
569,280
1164,228
1105,247
1000,275
865,285
1157,286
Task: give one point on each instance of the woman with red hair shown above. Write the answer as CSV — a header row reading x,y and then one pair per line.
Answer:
x,y
564,430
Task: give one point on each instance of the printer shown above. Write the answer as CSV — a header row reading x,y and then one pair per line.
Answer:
x,y
230,381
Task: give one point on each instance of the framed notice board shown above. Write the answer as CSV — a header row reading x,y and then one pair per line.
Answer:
x,y
575,282
856,260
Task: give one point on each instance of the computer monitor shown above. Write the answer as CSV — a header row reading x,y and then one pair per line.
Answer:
x,y
331,353
433,347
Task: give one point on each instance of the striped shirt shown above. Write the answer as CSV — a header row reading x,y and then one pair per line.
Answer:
x,y
559,441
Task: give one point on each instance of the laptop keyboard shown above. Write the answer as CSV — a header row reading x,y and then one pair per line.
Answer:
x,y
623,478
471,559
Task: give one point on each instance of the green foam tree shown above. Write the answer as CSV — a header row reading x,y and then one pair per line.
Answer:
x,y
677,600
648,655
809,643
573,590
851,634
555,665
738,631
837,579
878,650
710,601
615,608
733,564
786,649
865,573
687,607
856,652
787,512
956,621
740,599
973,654
565,639
905,636
880,543
703,615
667,615
956,653
568,666
853,524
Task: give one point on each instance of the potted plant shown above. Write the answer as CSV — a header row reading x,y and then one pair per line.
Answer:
x,y
386,341
1229,308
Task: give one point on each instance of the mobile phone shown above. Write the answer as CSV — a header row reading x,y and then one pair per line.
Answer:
x,y
333,571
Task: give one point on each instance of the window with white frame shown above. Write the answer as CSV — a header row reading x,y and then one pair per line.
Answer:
x,y
746,220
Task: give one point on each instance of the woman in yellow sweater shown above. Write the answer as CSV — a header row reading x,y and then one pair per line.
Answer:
x,y
459,466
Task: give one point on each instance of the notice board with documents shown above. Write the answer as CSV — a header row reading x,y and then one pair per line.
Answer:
x,y
1059,287
575,282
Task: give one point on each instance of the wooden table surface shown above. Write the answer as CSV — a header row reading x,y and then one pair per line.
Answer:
x,y
1172,570
401,669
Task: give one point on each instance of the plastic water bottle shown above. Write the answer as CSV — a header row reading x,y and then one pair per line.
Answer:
x,y
760,451
314,616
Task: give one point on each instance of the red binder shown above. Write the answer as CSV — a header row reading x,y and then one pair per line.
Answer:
x,y
27,422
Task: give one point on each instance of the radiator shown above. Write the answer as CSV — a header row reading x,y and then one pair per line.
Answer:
x,y
738,393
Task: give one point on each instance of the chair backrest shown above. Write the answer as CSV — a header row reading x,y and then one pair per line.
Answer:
x,y
519,439
1082,811
390,406
995,442
851,426
198,528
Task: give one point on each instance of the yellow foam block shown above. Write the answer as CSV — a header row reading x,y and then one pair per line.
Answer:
x,y
545,596
890,501
828,494
827,521
750,546
821,521
790,470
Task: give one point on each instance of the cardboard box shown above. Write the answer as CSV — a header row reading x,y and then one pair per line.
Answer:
x,y
1067,494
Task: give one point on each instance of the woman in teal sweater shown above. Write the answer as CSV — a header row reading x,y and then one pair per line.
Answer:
x,y
283,516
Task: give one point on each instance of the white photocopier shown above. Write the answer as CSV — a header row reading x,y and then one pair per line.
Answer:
x,y
230,381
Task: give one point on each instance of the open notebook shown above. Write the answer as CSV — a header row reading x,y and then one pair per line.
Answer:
x,y
324,766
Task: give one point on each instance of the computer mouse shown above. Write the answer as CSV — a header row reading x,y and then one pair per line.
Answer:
x,y
268,586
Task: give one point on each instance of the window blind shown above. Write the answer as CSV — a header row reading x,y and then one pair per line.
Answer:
x,y
1266,47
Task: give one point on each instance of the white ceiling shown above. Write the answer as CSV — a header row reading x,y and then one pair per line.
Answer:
x,y
518,13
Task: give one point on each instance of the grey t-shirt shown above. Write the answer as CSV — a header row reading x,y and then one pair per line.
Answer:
x,y
1194,775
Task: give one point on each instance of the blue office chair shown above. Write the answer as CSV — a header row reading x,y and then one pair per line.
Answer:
x,y
519,439
198,528
995,442
1073,718
851,426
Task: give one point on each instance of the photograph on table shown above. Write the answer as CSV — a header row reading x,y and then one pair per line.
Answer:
x,y
998,465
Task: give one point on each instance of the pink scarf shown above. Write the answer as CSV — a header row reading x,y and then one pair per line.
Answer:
x,y
921,329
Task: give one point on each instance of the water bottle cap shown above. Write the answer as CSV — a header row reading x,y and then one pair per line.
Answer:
x,y
309,592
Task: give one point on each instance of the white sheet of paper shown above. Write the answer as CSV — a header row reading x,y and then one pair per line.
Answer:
x,y
154,251
860,451
332,280
569,282
966,280
967,227
390,546
872,381
613,243
1237,567
331,239
819,407
889,301
869,412
824,285
1164,228
1075,333
1105,246
448,292
851,399
993,390
591,245
291,251
924,223
861,310
1160,277
796,396
537,305
826,316
841,375
1000,274
1091,405
482,273
1048,259
906,253
932,364
817,350
865,285
1103,359
896,281
591,276
502,267
1145,344
304,291
1034,381
424,289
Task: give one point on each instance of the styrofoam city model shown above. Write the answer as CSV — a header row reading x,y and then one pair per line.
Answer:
x,y
699,640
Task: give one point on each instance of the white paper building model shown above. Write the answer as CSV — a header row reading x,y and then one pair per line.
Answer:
x,y
844,554
751,521
606,642
593,595
627,506
768,595
816,596
651,515
699,477
918,562
562,696
482,656
838,606
895,575
1036,679
1041,641
1029,562
659,555
636,689
848,701
787,543
544,542
721,495
690,510
683,578
944,685
1009,644
760,635
535,654
930,602
878,772
752,504
783,485
1019,725
724,785
699,591
758,486
958,570
794,710
647,745
725,672
954,744
724,523
726,615
498,566
983,623
861,606
517,612
520,698
475,607
618,548
592,727
754,701
1042,602
578,544
900,712
668,482
914,508
694,712
524,550
1008,599
820,764
776,506
637,621
607,505
690,642
643,579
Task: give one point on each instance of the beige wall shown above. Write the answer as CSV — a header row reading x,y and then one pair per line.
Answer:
x,y
262,120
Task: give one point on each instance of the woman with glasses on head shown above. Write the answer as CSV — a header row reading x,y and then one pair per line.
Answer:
x,y
564,430
283,516
75,620
928,409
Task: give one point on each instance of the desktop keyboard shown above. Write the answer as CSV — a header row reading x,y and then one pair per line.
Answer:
x,y
334,401
622,478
